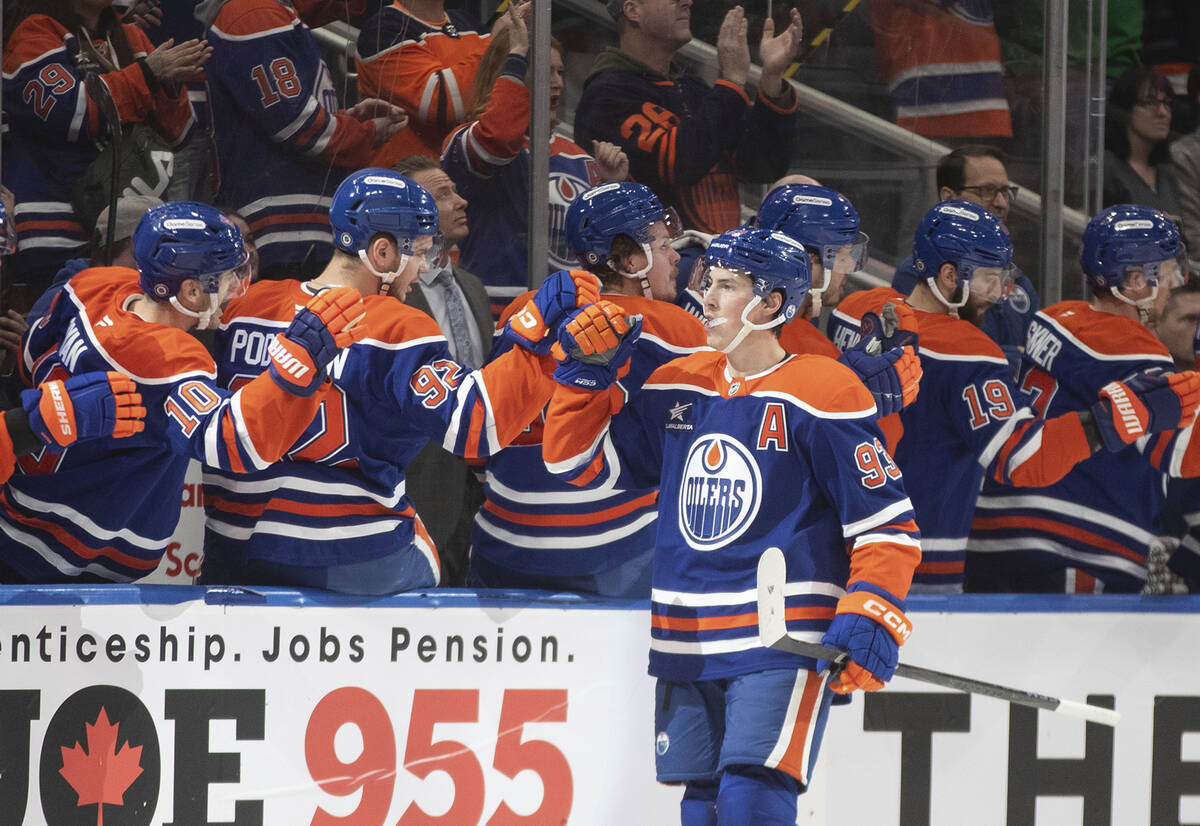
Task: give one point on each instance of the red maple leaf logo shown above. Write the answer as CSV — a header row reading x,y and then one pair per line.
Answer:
x,y
101,774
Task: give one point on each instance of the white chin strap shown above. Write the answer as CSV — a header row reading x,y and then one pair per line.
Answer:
x,y
204,317
646,291
749,326
385,278
1143,305
951,306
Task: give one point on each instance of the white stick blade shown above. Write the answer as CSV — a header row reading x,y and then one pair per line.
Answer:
x,y
772,574
1094,714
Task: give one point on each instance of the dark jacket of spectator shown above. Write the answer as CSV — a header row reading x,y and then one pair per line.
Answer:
x,y
688,141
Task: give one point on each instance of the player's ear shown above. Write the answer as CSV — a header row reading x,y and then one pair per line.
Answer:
x,y
772,303
382,253
948,277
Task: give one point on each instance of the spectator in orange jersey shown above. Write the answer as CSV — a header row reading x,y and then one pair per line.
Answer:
x,y
488,159
420,56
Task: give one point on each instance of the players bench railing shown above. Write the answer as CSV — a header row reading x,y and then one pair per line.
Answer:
x,y
338,40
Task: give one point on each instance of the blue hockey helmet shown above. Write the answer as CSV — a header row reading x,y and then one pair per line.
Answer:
x,y
377,200
965,235
1128,237
179,240
820,218
602,213
773,261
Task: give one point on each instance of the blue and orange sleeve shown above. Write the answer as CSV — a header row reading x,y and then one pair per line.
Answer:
x,y
272,66
498,136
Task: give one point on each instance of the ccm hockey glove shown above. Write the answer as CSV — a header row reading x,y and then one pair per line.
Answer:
x,y
1143,404
536,326
870,626
302,352
87,406
595,346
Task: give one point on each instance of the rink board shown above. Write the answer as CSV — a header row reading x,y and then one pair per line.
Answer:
x,y
284,707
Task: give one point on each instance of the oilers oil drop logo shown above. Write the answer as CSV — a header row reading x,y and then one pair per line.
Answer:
x,y
720,492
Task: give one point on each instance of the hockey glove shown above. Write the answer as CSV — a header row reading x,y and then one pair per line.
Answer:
x,y
536,326
595,346
302,352
870,627
894,326
87,406
893,377
1143,404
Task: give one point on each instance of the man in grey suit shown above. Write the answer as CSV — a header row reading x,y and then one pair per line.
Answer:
x,y
444,490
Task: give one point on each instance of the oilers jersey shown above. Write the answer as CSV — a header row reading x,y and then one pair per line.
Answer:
x,y
488,159
337,495
278,130
426,66
534,522
108,507
689,142
967,422
790,458
55,131
1090,531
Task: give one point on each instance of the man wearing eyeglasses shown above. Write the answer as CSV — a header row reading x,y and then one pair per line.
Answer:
x,y
976,173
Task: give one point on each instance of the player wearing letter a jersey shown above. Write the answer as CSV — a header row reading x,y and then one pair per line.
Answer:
x,y
536,530
105,509
1091,530
333,513
751,448
969,422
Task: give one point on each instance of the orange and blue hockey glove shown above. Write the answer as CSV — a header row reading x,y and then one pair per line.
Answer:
x,y
595,346
302,352
885,358
87,406
1143,404
536,326
870,627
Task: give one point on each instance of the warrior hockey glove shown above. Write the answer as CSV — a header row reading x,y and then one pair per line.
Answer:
x,y
536,325
302,352
595,346
870,627
1143,404
88,406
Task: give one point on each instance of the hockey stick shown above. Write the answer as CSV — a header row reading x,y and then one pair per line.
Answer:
x,y
772,631
807,49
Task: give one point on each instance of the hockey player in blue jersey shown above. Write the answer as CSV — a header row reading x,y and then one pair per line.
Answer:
x,y
1091,531
751,448
104,510
333,514
970,421
535,530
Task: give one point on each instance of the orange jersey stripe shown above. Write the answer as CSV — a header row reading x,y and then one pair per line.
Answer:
x,y
302,508
805,612
572,519
77,547
940,567
1050,526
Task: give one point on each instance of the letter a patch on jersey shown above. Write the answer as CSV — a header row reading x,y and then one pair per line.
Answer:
x,y
773,430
